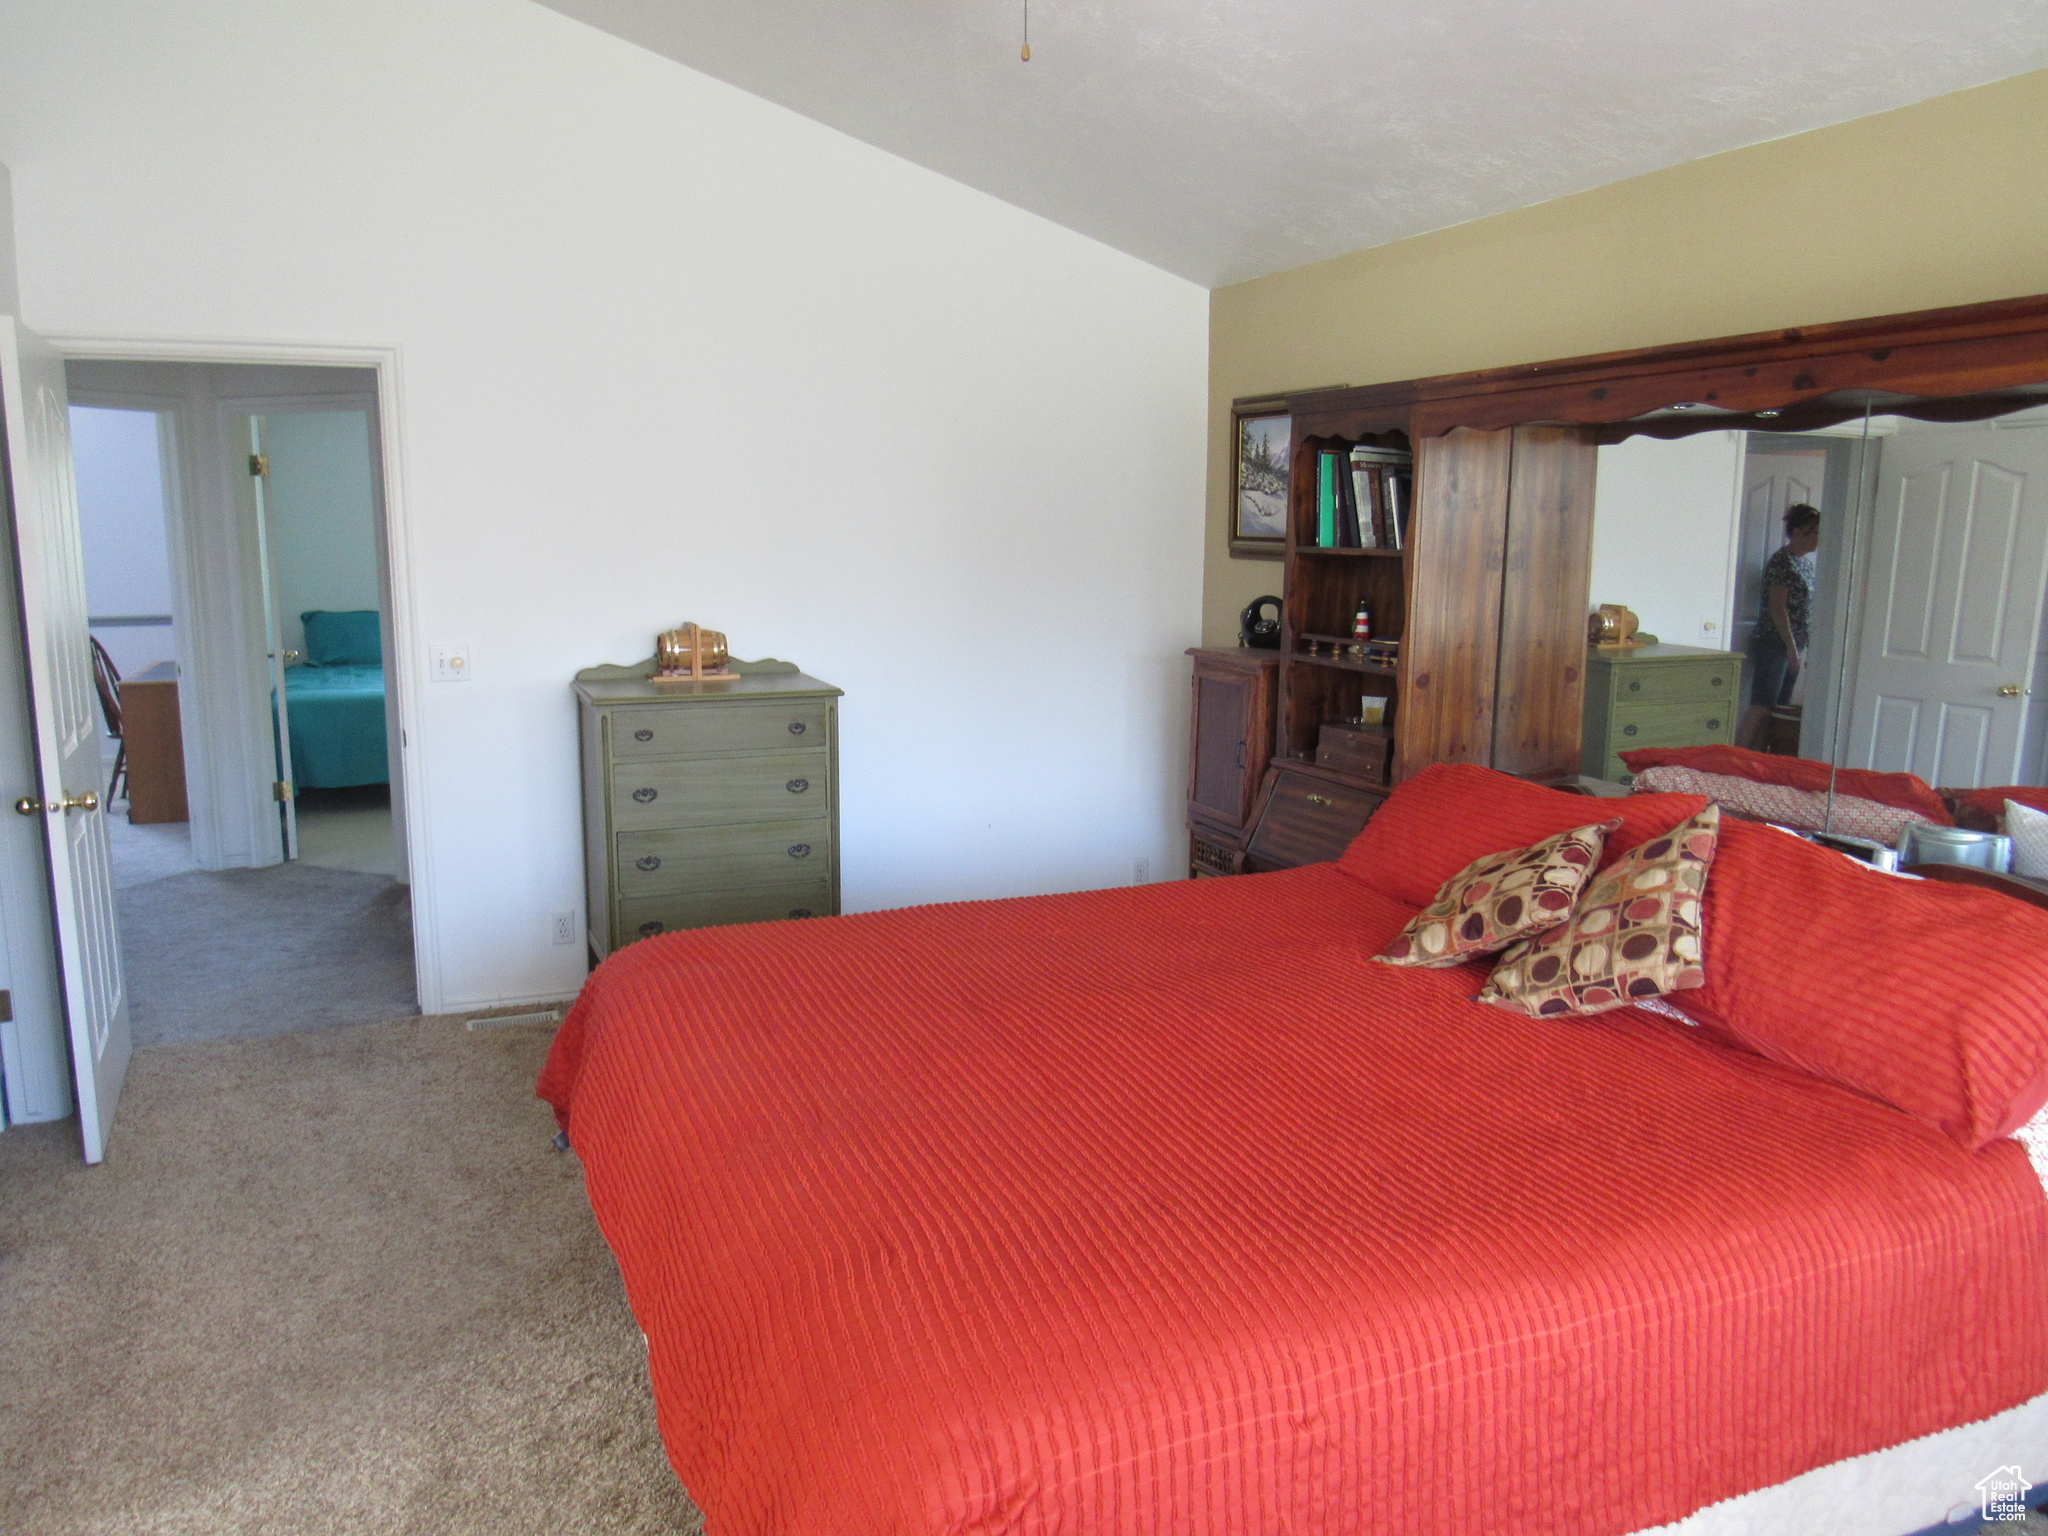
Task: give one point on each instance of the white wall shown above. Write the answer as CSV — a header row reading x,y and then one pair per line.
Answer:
x,y
668,352
1664,518
322,515
121,527
10,293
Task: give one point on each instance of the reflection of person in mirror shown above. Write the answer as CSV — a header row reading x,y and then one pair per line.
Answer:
x,y
1778,647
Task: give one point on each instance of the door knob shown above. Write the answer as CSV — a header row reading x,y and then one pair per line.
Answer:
x,y
2013,691
28,805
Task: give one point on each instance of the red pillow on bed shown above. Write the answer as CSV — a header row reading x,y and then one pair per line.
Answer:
x,y
1902,790
1453,813
1930,996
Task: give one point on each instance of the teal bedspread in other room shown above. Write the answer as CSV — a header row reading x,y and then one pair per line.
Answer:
x,y
337,725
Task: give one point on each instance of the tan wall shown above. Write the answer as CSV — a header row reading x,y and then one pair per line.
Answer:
x,y
1940,203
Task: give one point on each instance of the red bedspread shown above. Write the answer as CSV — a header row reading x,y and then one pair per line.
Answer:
x,y
1159,1210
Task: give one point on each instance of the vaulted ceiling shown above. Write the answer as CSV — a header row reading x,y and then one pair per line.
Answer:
x,y
1223,141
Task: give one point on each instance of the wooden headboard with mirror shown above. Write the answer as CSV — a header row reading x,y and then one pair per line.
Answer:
x,y
1506,485
1487,601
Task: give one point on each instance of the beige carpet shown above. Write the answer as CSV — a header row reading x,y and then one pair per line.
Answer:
x,y
330,1282
236,953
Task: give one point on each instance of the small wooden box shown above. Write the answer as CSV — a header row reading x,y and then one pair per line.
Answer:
x,y
1361,751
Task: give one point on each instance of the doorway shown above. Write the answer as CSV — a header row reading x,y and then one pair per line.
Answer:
x,y
237,575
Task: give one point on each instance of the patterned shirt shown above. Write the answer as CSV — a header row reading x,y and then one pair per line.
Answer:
x,y
1784,569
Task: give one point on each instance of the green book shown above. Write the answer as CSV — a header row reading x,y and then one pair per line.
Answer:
x,y
1326,500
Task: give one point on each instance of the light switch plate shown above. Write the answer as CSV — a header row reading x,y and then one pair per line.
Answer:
x,y
451,663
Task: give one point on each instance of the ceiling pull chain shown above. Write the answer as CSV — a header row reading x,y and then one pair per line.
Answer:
x,y
1027,32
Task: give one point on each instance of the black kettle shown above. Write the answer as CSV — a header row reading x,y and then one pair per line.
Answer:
x,y
1260,634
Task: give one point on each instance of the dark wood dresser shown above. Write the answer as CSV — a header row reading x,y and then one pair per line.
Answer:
x,y
1247,812
1230,744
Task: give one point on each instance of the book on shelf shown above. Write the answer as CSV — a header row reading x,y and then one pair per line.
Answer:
x,y
1364,505
1347,508
1326,500
1400,487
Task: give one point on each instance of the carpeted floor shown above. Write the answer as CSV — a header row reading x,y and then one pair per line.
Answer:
x,y
326,1282
238,953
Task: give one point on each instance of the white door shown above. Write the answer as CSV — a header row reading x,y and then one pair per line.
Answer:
x,y
273,641
1952,607
65,712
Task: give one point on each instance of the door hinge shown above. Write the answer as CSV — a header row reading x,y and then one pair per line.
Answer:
x,y
6,1007
282,789
259,463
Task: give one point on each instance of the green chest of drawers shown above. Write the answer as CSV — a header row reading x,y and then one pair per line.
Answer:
x,y
1657,696
707,803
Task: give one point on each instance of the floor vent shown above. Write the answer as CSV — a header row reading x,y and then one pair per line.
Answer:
x,y
500,1020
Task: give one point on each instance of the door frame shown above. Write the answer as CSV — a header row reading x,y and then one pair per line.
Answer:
x,y
402,663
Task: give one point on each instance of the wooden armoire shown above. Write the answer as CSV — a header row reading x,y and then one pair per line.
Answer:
x,y
1485,602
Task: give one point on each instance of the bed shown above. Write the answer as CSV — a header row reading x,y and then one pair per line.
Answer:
x,y
335,702
337,726
1160,1209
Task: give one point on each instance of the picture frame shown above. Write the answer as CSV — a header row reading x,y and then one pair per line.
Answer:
x,y
1261,433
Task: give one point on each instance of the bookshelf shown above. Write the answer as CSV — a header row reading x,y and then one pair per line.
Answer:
x,y
1323,676
1477,618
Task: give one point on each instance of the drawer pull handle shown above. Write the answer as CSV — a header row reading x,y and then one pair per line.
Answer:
x,y
1716,683
799,911
647,861
1628,730
651,927
796,727
1318,799
797,786
799,850
643,734
1713,725
644,795
1635,687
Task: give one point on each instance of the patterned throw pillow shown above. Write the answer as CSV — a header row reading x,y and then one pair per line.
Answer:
x,y
1634,934
1805,809
2028,829
1500,898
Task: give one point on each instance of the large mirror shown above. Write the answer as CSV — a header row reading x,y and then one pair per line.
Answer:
x,y
1894,622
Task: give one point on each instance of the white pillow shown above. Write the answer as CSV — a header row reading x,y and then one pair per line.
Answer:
x,y
2028,829
2034,1136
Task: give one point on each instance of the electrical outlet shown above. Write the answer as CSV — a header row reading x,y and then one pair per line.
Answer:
x,y
1141,871
565,927
451,663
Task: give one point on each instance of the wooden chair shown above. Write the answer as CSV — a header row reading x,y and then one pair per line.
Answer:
x,y
106,678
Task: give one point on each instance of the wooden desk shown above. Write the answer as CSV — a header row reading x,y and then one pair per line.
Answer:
x,y
156,745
